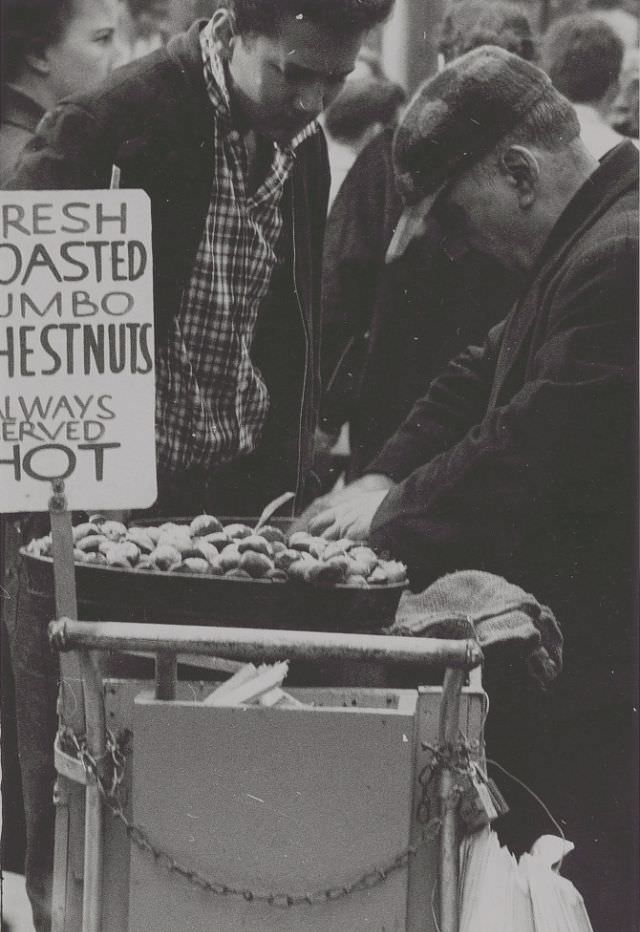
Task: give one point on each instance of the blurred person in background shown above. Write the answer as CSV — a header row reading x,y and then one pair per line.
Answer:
x,y
367,103
368,64
468,24
390,326
625,112
621,15
145,25
181,14
583,57
620,18
50,48
362,109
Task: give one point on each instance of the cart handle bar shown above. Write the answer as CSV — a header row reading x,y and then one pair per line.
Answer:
x,y
250,644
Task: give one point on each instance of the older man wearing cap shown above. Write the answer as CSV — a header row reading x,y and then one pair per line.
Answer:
x,y
521,458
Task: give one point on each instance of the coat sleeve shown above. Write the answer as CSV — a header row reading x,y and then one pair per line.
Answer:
x,y
456,400
551,451
66,152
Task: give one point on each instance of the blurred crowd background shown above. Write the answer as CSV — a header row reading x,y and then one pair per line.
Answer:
x,y
420,36
399,55
407,47
54,47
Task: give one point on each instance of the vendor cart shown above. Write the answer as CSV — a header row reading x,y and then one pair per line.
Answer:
x,y
336,815
153,842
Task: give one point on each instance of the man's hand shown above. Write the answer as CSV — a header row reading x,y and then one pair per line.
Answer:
x,y
352,507
352,517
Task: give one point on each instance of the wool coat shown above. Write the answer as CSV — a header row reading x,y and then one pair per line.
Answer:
x,y
19,117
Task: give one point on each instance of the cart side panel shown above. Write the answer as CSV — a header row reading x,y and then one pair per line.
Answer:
x,y
273,800
119,710
119,696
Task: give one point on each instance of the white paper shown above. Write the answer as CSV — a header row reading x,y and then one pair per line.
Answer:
x,y
76,350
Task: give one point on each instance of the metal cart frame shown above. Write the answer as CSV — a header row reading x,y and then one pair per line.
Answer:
x,y
79,641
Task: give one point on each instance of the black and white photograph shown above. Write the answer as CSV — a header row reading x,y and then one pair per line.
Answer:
x,y
319,485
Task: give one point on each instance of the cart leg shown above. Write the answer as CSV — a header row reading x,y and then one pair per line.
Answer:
x,y
166,675
93,845
449,856
60,867
93,826
71,701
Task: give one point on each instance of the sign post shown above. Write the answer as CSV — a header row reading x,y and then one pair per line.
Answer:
x,y
77,408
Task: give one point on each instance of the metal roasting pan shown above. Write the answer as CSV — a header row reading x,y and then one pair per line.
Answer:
x,y
115,594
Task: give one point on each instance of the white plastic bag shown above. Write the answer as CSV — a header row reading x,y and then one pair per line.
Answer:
x,y
497,892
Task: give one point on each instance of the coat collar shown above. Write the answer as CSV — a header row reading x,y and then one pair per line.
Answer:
x,y
185,51
19,109
616,173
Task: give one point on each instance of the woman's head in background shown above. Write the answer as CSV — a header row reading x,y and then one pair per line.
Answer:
x,y
468,24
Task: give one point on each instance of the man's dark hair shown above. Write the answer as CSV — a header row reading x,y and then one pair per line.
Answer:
x,y
468,24
583,57
28,25
264,16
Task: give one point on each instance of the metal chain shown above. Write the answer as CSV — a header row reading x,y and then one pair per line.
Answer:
x,y
457,759
111,798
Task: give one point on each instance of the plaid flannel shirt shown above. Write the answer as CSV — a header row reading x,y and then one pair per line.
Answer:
x,y
212,401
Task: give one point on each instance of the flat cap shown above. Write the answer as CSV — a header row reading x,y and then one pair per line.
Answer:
x,y
457,117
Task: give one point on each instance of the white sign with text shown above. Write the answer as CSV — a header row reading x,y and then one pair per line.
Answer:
x,y
77,377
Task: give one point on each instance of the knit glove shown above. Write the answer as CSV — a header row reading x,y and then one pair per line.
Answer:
x,y
470,603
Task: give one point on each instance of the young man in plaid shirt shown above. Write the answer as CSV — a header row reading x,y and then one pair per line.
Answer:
x,y
219,129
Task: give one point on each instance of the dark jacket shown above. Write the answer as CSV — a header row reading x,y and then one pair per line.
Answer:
x,y
19,115
521,459
388,329
154,120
